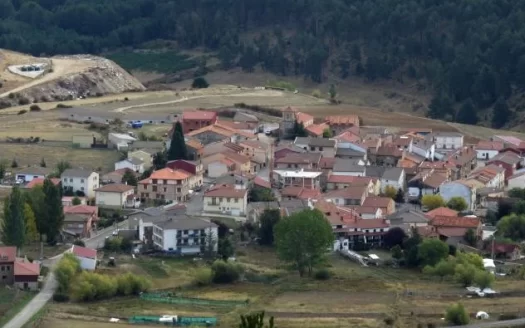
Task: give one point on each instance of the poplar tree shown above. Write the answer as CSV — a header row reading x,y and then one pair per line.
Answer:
x,y
13,225
178,145
54,211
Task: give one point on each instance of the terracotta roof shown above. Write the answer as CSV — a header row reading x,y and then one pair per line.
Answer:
x,y
365,209
84,252
222,130
337,215
376,201
238,125
462,156
372,223
225,191
198,115
347,136
299,158
262,183
350,179
300,192
427,231
317,129
435,180
352,192
342,119
455,221
115,187
303,118
255,144
502,248
238,158
167,174
327,163
441,211
228,162
236,148
452,231
195,144
8,252
414,158
80,209
490,145
406,163
39,181
436,165
26,269
402,141
388,150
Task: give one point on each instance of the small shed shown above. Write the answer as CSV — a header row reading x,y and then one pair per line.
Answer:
x,y
489,265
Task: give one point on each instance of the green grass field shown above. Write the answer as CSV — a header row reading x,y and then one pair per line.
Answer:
x,y
160,62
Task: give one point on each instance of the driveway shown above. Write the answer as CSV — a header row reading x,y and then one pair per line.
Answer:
x,y
51,284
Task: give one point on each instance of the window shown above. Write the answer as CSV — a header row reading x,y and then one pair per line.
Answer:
x,y
220,199
2,268
165,181
165,189
236,200
320,148
154,188
228,199
178,189
71,180
81,180
82,188
154,181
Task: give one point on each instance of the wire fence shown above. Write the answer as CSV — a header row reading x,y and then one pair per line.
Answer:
x,y
173,299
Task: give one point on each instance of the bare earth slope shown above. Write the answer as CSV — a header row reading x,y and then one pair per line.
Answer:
x,y
70,77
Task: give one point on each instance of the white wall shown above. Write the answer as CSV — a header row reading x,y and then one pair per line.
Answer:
x,y
449,142
168,240
217,169
114,199
484,154
125,164
353,174
236,208
87,264
518,182
87,185
29,177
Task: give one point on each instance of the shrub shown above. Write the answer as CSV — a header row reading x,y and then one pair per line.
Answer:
x,y
457,315
94,286
200,83
65,271
63,106
35,108
317,93
11,96
202,277
113,244
23,101
225,273
60,297
79,242
23,111
322,274
44,271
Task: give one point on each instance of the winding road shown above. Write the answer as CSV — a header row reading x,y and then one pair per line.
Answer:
x,y
38,302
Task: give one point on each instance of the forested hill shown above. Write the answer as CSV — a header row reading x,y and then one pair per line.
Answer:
x,y
470,52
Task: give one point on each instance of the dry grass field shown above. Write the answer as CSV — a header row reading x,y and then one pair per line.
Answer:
x,y
354,297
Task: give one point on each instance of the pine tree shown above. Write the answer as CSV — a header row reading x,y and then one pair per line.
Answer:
x,y
129,178
54,211
467,113
332,92
13,224
178,145
30,222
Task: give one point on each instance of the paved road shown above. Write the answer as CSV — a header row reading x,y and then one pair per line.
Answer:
x,y
50,285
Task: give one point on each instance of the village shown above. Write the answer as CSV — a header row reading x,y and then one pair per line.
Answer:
x,y
377,187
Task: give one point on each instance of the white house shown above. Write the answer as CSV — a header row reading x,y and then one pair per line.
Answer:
x,y
448,140
120,140
185,235
80,180
86,256
486,150
226,199
424,148
517,180
394,177
113,195
132,163
30,173
457,188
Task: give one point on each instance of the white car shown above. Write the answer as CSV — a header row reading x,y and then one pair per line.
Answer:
x,y
115,232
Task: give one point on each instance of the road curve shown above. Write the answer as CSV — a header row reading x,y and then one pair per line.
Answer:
x,y
495,324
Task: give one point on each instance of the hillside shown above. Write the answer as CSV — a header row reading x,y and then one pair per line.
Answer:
x,y
468,53
62,78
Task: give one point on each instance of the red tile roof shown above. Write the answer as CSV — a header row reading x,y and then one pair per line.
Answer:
x,y
80,209
198,115
327,163
7,254
303,118
441,211
26,269
225,191
262,183
372,223
349,179
40,181
167,174
455,221
352,192
84,252
490,145
300,192
347,136
342,119
376,201
115,187
317,129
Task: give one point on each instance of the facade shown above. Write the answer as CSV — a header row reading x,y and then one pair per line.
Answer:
x,y
509,161
242,163
289,117
194,120
349,167
517,180
226,199
425,183
132,163
308,161
388,155
86,256
486,150
220,167
340,123
166,184
459,189
351,196
30,173
394,177
40,181
7,264
185,235
79,180
193,167
386,204
113,195
448,140
26,274
296,178
79,220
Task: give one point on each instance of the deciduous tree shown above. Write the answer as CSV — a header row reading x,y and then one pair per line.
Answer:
x,y
30,223
431,251
303,239
13,223
457,203
390,192
432,201
129,178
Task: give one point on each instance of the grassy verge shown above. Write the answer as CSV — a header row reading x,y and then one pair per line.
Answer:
x,y
36,317
161,62
16,306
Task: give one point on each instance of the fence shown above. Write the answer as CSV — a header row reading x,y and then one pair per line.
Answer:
x,y
179,321
173,299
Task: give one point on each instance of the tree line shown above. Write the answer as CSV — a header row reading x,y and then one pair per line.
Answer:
x,y
470,53
30,215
